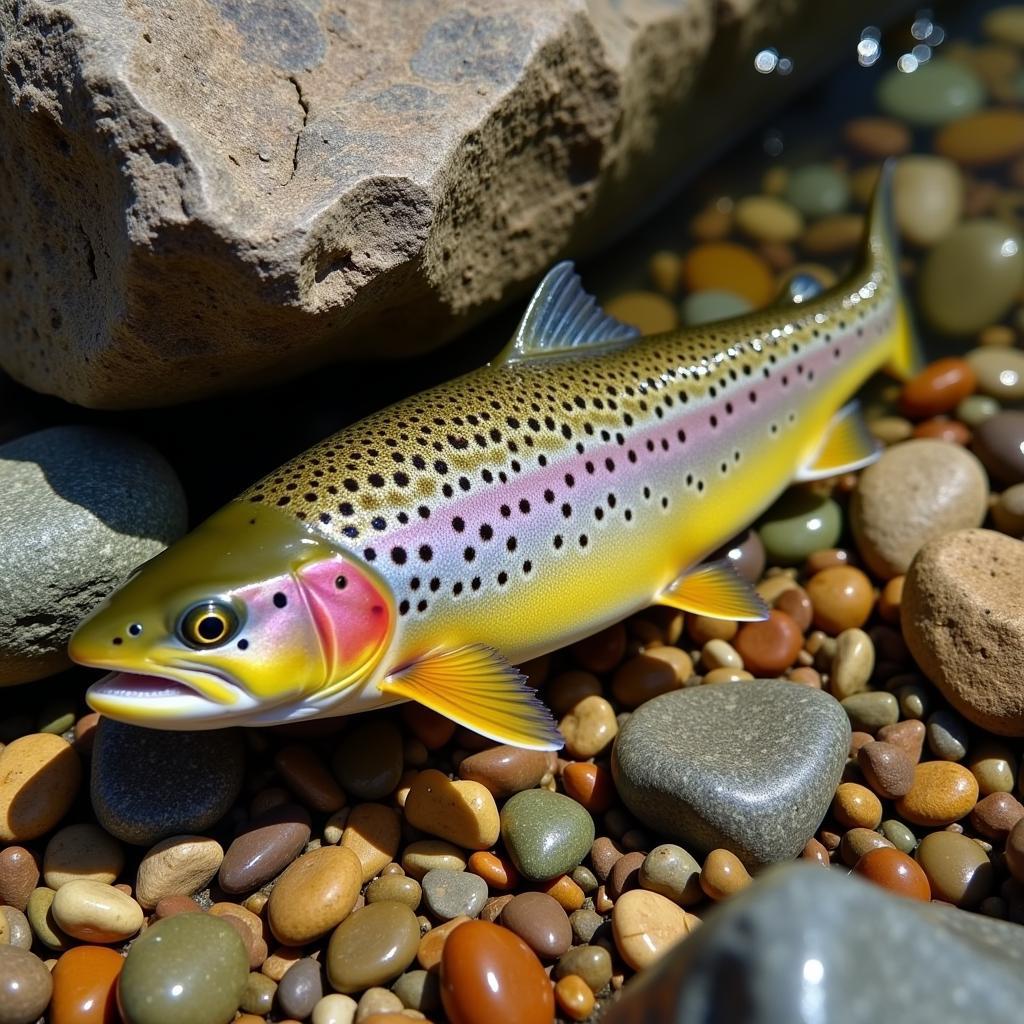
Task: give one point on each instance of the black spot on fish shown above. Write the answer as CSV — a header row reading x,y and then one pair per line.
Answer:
x,y
280,600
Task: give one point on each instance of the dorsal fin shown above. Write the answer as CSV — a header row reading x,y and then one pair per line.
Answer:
x,y
562,317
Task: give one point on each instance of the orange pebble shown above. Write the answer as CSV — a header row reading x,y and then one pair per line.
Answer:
x,y
574,997
941,428
565,892
937,388
497,872
85,986
732,267
590,785
842,597
855,806
826,558
894,870
768,648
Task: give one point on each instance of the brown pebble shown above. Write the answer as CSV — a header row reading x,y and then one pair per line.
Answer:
x,y
723,875
958,869
308,778
858,841
877,137
494,906
826,558
373,834
267,846
842,597
602,651
171,906
315,894
540,922
941,428
603,855
937,388
834,234
890,599
431,945
703,629
815,852
625,874
995,815
19,875
650,674
769,647
888,769
909,735
505,770
39,778
569,688
797,605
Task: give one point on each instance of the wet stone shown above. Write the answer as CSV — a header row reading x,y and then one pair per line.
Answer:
x,y
266,847
85,986
669,870
25,986
799,523
191,967
751,767
372,947
300,989
449,894
546,834
591,963
958,869
148,784
999,443
505,770
540,922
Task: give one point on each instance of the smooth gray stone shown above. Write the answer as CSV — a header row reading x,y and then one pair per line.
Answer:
x,y
748,766
204,194
449,893
148,784
80,508
807,945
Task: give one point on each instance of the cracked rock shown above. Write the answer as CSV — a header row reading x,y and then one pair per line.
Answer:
x,y
79,509
208,194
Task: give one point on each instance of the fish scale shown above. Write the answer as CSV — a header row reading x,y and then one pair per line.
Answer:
x,y
423,551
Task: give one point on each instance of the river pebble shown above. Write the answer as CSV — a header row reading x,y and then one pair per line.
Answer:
x,y
490,976
999,443
942,792
85,986
460,811
971,277
999,372
648,312
958,869
372,946
147,784
982,139
928,196
730,267
368,762
448,893
895,871
425,855
505,770
671,871
935,93
300,989
25,986
712,304
938,388
917,490
841,598
798,524
769,647
1008,511
769,219
695,766
961,597
546,834
887,768
190,967
947,735
373,833
19,875
39,778
817,190
646,675
179,865
877,137
96,912
269,843
646,926
82,851
314,894
540,922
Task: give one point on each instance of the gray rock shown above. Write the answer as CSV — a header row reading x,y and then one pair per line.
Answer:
x,y
80,508
805,945
217,192
147,784
448,893
751,767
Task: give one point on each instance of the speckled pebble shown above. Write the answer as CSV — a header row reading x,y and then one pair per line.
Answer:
x,y
449,894
942,792
695,766
147,784
25,986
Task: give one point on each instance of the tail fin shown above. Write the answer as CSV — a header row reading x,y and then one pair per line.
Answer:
x,y
881,253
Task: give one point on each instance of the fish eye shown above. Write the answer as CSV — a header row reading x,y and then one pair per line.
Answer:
x,y
209,624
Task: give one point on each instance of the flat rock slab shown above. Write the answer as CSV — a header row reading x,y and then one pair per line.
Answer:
x,y
807,944
751,766
206,194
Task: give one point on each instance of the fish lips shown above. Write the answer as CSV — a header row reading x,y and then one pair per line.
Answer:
x,y
165,702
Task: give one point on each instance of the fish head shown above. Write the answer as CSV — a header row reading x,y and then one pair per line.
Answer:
x,y
249,612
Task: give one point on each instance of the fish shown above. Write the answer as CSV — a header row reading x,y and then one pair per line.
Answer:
x,y
580,476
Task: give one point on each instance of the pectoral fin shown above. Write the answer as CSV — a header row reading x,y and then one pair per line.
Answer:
x,y
848,445
476,687
717,591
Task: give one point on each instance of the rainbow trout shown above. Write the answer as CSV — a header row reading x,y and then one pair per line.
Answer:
x,y
423,552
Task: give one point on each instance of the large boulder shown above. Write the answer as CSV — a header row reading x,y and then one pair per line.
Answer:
x,y
210,193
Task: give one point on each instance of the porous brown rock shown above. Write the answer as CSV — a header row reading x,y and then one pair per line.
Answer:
x,y
963,621
213,193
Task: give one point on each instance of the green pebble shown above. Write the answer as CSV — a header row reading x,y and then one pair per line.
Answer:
x,y
899,835
591,963
671,872
192,967
818,190
914,700
419,990
975,409
972,277
546,834
868,712
585,879
259,993
40,917
798,524
706,307
935,93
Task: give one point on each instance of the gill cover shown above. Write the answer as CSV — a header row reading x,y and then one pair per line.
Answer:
x,y
248,611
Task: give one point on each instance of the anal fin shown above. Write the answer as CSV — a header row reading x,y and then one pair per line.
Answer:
x,y
716,590
476,687
848,445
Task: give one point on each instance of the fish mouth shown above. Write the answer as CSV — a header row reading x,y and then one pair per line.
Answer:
x,y
163,702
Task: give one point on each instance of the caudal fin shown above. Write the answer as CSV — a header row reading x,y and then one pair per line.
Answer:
x,y
881,254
